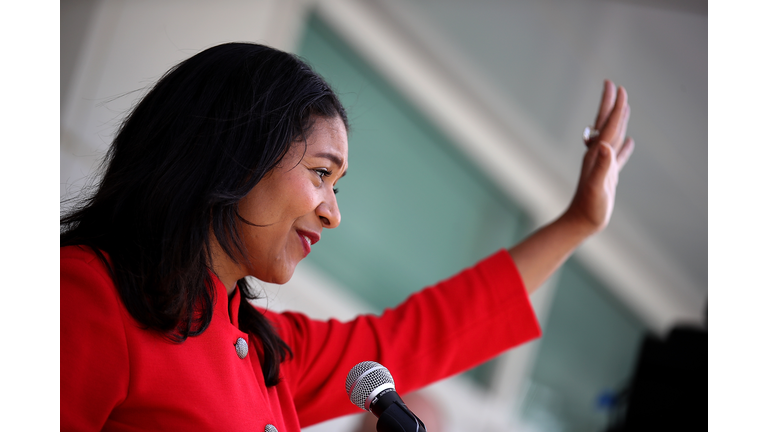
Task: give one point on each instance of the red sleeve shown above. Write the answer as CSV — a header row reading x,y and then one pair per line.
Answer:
x,y
94,354
438,332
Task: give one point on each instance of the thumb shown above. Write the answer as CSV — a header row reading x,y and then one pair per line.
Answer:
x,y
590,159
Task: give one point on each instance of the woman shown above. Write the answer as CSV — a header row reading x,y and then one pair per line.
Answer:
x,y
226,169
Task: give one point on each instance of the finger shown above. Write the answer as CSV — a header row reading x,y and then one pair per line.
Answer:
x,y
612,127
590,158
625,152
606,105
624,123
602,162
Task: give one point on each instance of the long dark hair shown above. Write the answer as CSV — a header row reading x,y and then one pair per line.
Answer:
x,y
182,160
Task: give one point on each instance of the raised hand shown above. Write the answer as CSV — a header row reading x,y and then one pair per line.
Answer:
x,y
607,152
541,253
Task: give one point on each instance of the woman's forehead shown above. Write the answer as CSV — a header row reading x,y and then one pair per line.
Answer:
x,y
328,139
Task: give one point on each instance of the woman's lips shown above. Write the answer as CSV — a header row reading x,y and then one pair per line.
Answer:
x,y
307,240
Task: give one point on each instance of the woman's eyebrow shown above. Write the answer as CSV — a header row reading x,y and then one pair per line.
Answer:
x,y
332,157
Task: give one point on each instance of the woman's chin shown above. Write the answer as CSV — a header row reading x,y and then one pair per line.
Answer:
x,y
280,278
282,281
277,272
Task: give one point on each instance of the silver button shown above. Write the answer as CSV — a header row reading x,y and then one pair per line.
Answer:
x,y
241,346
270,428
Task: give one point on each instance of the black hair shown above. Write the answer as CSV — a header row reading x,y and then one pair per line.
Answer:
x,y
181,161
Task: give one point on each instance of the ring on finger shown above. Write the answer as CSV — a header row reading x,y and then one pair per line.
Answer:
x,y
589,134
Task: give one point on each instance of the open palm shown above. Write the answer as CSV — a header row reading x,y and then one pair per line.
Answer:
x,y
606,155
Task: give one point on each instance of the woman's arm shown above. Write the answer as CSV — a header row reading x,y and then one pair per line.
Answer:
x,y
539,255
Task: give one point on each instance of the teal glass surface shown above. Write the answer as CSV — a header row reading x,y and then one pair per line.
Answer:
x,y
414,210
586,355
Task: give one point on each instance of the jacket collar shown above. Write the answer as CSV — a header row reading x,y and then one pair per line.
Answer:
x,y
226,306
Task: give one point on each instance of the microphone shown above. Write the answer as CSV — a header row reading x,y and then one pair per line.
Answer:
x,y
370,386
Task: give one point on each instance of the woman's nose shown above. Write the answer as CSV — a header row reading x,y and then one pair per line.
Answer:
x,y
329,212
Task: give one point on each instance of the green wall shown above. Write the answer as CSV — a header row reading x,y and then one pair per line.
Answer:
x,y
414,211
588,350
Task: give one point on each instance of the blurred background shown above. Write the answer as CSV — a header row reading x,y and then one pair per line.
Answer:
x,y
466,118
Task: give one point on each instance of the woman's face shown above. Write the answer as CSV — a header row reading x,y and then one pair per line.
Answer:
x,y
294,202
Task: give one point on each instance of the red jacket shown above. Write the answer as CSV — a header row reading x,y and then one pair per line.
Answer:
x,y
116,376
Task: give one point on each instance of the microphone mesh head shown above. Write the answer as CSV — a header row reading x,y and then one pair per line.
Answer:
x,y
364,378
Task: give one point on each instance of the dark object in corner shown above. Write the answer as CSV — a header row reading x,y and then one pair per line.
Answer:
x,y
668,391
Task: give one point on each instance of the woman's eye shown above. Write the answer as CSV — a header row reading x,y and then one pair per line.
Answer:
x,y
322,172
